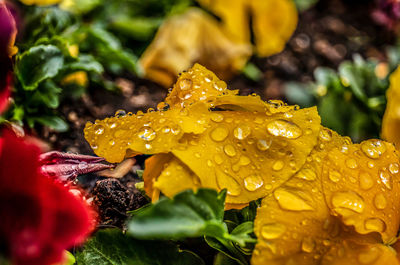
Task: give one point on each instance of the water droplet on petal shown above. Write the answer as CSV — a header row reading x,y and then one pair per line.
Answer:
x,y
278,165
217,117
185,84
394,168
253,182
242,131
380,201
225,181
351,163
264,144
290,201
147,134
366,181
284,128
111,142
373,148
98,129
273,230
120,113
244,161
335,176
308,245
375,224
162,106
348,200
386,179
219,134
230,150
325,134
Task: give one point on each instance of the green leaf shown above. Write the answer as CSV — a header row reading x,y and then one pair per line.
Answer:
x,y
84,63
48,93
53,122
188,214
252,72
299,93
111,247
352,74
38,64
303,5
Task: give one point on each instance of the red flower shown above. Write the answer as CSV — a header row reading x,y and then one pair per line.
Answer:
x,y
39,218
8,31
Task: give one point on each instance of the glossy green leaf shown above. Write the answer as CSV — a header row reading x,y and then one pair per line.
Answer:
x,y
188,214
111,247
38,64
54,122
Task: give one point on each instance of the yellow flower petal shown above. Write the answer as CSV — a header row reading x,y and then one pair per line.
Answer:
x,y
176,177
352,253
249,153
391,119
360,183
293,224
188,38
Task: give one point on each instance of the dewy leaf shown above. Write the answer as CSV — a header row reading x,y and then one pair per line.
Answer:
x,y
111,247
37,64
188,214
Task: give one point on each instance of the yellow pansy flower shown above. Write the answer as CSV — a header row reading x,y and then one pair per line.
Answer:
x,y
273,21
325,200
187,38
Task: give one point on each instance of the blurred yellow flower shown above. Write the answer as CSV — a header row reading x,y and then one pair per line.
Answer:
x,y
391,119
79,78
188,38
325,200
273,21
223,47
40,2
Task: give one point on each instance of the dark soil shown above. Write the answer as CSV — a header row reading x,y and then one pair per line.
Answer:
x,y
327,34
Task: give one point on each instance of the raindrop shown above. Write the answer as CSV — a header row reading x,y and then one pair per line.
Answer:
x,y
120,113
386,179
242,131
253,182
264,144
394,168
284,128
325,135
348,200
147,134
273,230
162,106
334,176
229,150
217,117
369,256
219,134
185,84
99,129
373,148
218,159
308,245
351,163
278,165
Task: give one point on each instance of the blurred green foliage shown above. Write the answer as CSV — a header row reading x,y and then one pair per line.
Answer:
x,y
352,99
101,38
